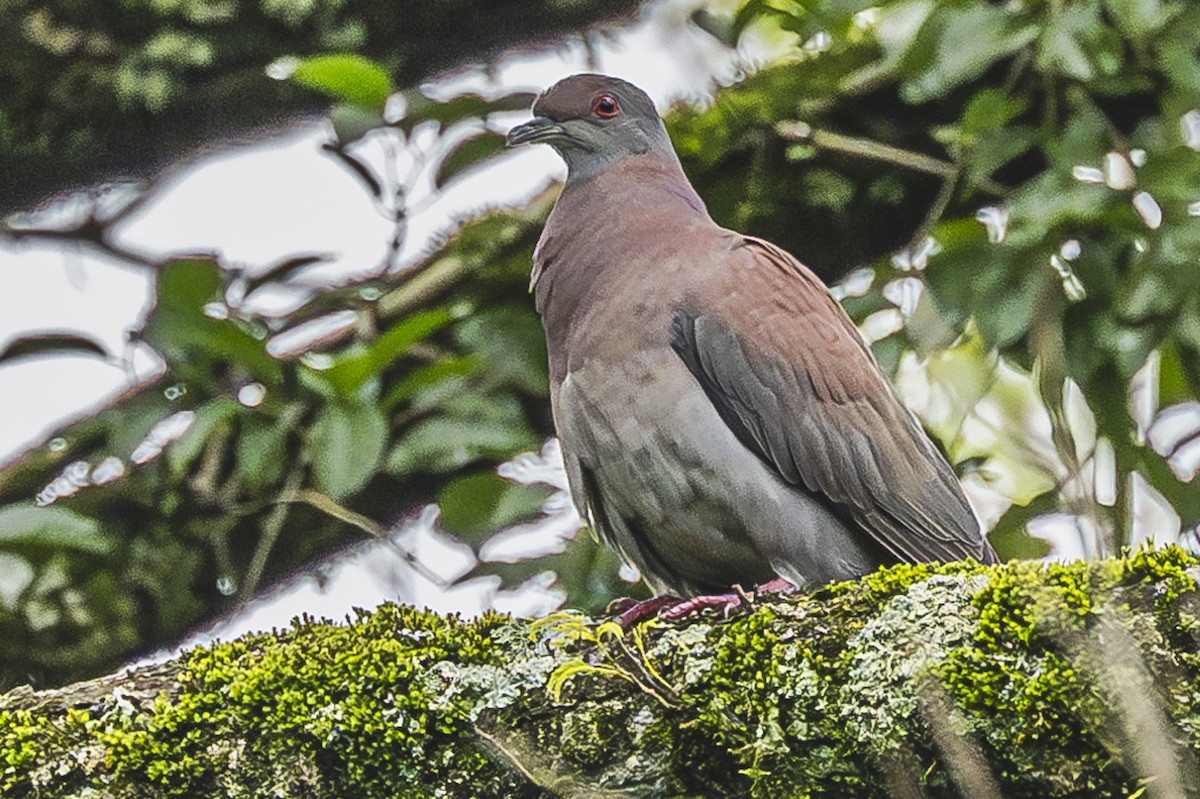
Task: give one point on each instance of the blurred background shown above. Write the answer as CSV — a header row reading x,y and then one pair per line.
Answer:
x,y
266,345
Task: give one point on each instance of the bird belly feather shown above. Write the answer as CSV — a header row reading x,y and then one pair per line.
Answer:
x,y
670,486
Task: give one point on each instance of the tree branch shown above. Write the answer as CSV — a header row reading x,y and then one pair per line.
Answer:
x,y
935,681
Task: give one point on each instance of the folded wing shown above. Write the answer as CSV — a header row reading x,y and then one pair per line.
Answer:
x,y
842,436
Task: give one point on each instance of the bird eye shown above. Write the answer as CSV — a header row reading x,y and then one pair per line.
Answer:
x,y
605,106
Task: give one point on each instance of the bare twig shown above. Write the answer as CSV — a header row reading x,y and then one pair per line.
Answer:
x,y
867,148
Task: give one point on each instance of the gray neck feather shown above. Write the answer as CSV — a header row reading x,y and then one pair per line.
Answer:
x,y
585,163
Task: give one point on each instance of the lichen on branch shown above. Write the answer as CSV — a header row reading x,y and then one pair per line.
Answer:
x,y
1023,679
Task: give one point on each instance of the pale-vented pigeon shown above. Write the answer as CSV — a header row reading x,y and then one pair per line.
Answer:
x,y
721,419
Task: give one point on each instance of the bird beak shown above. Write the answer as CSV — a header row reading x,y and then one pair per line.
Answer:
x,y
538,129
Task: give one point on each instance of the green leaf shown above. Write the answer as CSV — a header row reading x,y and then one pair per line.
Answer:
x,y
193,343
450,371
1176,383
994,149
1062,46
1005,320
1144,297
38,345
346,77
445,443
828,188
350,371
262,447
903,38
466,154
26,526
751,12
1052,201
482,503
887,352
1138,19
1176,48
1011,537
16,574
346,443
209,416
350,123
990,109
187,284
512,341
967,41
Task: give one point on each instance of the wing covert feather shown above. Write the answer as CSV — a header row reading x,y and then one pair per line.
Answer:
x,y
843,436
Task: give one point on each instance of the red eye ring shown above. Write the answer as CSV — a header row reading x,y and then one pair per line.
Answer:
x,y
605,106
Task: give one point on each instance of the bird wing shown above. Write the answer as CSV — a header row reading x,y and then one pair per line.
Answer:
x,y
797,385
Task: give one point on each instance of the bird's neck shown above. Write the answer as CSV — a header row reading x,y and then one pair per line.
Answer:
x,y
639,198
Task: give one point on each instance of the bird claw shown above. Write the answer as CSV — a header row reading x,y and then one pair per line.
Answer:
x,y
728,603
620,605
629,612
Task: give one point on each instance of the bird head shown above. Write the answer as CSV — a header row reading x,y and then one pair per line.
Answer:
x,y
593,120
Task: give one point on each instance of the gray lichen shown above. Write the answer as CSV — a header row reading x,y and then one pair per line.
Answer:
x,y
913,631
1024,680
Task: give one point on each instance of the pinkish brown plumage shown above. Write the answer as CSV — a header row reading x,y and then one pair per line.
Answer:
x,y
722,421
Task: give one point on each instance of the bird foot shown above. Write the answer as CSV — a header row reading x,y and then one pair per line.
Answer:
x,y
776,586
629,612
727,603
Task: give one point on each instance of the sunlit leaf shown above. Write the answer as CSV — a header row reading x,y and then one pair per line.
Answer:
x,y
347,77
26,526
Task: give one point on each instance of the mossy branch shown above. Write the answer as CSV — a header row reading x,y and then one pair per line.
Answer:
x,y
958,680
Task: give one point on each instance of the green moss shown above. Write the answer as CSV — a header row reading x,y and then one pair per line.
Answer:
x,y
319,710
1032,680
595,735
1044,674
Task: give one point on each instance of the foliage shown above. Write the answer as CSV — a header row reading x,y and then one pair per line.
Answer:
x,y
1019,680
882,128
114,89
265,463
249,460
